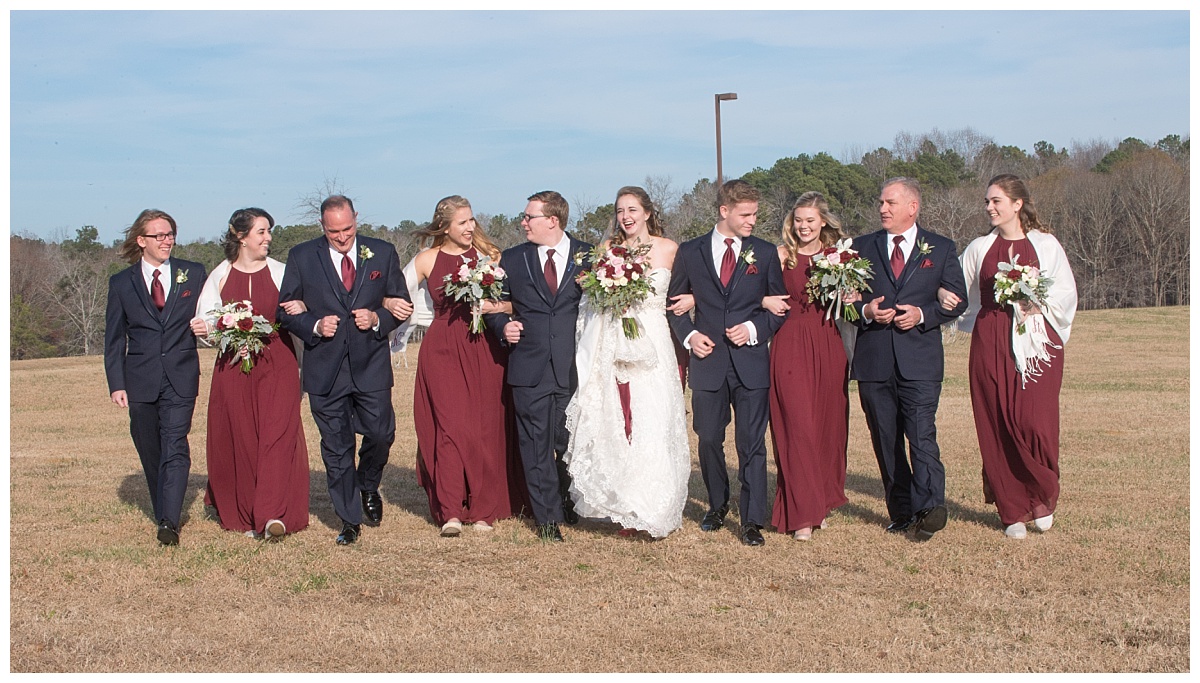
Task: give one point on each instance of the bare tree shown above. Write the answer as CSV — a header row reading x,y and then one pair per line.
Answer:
x,y
662,193
1085,155
308,205
955,212
1153,195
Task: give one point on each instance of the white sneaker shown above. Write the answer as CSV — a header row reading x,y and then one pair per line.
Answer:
x,y
1015,530
274,529
1044,523
482,526
452,528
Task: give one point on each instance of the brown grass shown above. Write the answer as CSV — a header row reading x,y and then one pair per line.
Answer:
x,y
1106,590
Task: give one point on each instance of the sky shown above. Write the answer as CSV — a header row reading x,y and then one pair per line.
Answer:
x,y
199,113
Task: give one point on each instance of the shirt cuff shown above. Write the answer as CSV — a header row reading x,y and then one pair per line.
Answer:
x,y
753,333
687,343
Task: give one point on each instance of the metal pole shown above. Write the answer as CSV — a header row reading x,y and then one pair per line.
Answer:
x,y
717,105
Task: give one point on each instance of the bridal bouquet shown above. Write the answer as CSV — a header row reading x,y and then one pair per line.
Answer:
x,y
617,280
837,271
476,280
242,330
1016,283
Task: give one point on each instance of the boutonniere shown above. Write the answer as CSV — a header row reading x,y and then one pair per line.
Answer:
x,y
180,276
923,248
364,253
375,274
747,257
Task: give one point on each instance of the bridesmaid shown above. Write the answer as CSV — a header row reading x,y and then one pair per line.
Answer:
x,y
257,456
809,382
461,407
1016,414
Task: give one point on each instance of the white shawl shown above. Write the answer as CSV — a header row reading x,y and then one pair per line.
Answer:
x,y
422,315
1032,348
210,297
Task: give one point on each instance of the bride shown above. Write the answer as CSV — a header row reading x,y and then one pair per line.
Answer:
x,y
628,454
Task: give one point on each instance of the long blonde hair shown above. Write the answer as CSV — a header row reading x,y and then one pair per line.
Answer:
x,y
830,232
443,214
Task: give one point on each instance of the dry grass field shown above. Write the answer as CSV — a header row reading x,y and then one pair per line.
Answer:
x,y
1106,590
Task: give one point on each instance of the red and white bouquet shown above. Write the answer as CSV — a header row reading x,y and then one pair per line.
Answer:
x,y
837,272
241,330
617,280
1016,283
475,281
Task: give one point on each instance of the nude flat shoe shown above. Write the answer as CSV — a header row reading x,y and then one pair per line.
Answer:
x,y
804,534
1016,531
1044,523
452,528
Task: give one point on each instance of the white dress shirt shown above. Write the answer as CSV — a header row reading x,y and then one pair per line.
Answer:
x,y
562,251
908,240
164,278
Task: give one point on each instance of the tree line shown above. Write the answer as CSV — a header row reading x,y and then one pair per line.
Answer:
x,y
1121,212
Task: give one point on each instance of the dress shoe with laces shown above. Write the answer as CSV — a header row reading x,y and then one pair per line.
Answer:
x,y
714,519
549,532
372,505
929,520
751,535
167,533
350,533
899,526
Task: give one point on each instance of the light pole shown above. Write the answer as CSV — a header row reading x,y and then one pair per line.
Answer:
x,y
717,104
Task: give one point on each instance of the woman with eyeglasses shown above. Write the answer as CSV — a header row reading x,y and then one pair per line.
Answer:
x,y
257,455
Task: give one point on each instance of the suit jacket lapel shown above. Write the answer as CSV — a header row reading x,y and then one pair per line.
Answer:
x,y
706,253
741,265
910,266
536,274
334,277
172,293
139,286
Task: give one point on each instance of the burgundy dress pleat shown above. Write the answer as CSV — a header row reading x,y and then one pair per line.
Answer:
x,y
1017,427
467,456
257,455
809,410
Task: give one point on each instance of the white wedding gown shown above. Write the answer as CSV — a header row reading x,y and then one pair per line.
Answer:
x,y
641,483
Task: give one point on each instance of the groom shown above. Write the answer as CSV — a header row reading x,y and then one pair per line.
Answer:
x,y
728,271
541,364
342,278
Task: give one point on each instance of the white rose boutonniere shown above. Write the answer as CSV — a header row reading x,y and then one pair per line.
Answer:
x,y
364,253
747,257
923,247
181,276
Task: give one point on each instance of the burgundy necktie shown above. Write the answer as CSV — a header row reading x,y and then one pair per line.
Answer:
x,y
727,262
551,273
897,257
347,272
156,293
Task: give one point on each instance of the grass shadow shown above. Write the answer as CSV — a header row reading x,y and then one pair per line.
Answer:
x,y
134,491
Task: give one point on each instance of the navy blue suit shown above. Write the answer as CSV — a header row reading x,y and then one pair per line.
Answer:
x,y
899,372
740,375
151,356
541,370
348,376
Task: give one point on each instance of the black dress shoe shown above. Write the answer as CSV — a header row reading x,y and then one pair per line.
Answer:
x,y
751,535
899,526
549,532
168,534
569,515
929,520
372,508
350,533
714,519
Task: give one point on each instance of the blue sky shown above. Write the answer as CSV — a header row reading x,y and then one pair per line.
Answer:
x,y
201,113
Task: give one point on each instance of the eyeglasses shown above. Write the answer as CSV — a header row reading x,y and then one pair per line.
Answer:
x,y
162,236
527,217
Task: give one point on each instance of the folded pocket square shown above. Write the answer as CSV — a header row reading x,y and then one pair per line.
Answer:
x,y
927,263
375,274
186,293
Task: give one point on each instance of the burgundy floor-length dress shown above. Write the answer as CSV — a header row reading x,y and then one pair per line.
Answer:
x,y
257,455
809,410
1017,427
462,410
